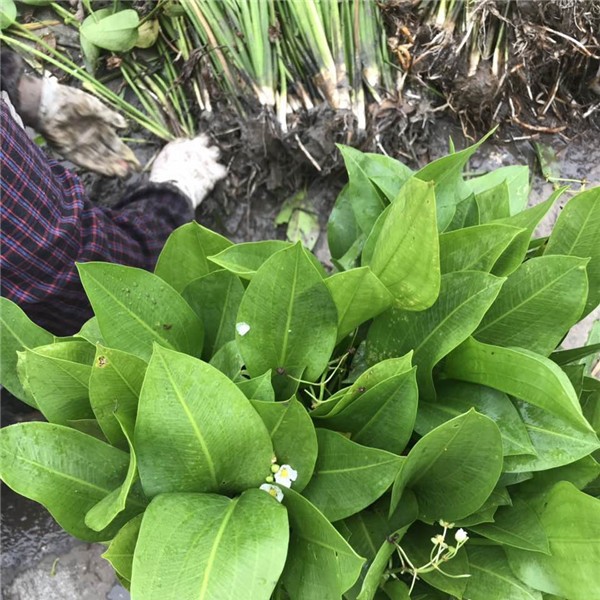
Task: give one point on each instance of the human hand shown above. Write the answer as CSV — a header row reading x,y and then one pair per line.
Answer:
x,y
83,130
191,165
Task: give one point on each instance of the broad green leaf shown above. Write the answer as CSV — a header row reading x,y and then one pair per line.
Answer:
x,y
66,471
245,259
292,321
366,381
184,256
229,361
115,383
571,520
397,590
378,566
537,304
493,203
370,242
492,578
293,436
258,388
135,308
90,331
147,33
464,298
455,398
215,298
527,220
556,441
196,431
450,187
382,417
359,296
116,32
453,469
17,333
520,373
517,526
566,357
302,222
342,229
120,551
89,427
348,477
576,233
593,338
466,215
320,564
209,547
515,177
417,545
104,512
406,254
59,385
475,248
8,13
367,200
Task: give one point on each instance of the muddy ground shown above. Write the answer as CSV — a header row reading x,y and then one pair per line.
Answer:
x,y
39,561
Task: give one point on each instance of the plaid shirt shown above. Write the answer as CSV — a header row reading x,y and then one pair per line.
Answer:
x,y
48,224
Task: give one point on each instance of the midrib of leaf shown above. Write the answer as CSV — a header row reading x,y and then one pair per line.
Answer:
x,y
288,321
131,313
215,547
58,363
14,334
352,469
579,232
452,313
279,422
526,300
335,549
511,534
188,414
125,381
558,434
366,533
512,583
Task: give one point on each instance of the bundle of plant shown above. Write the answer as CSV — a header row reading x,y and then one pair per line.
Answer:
x,y
242,424
533,63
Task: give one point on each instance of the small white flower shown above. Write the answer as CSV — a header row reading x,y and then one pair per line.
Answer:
x,y
272,490
461,536
286,475
242,328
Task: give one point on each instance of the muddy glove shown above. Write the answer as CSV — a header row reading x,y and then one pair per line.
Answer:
x,y
83,130
190,165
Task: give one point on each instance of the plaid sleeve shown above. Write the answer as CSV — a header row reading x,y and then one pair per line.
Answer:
x,y
48,224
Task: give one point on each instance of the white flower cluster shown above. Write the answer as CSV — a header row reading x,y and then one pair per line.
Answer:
x,y
284,476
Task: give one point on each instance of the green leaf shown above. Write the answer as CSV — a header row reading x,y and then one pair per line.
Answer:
x,y
417,545
475,248
115,383
104,512
342,229
520,373
214,442
320,564
406,254
556,441
58,382
208,547
517,526
66,471
91,332
493,203
292,321
450,187
537,304
464,298
135,308
348,477
453,469
184,256
527,220
382,417
576,233
566,357
302,222
455,398
8,13
115,32
258,388
17,333
215,298
571,520
374,575
466,215
516,178
120,550
229,361
359,296
245,259
492,578
293,436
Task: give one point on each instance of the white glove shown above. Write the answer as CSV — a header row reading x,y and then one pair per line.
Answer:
x,y
190,165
